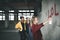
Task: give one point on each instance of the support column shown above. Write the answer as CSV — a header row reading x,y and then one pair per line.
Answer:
x,y
6,18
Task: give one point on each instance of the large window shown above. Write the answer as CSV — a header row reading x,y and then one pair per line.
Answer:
x,y
25,13
11,16
2,15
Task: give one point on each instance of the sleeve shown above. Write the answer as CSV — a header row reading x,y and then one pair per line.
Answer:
x,y
41,25
17,25
37,27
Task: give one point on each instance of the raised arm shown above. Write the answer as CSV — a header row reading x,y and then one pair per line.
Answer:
x,y
46,21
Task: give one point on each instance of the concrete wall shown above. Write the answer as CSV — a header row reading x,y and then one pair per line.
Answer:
x,y
50,31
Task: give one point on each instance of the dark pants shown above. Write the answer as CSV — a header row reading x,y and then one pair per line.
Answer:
x,y
27,34
22,35
30,34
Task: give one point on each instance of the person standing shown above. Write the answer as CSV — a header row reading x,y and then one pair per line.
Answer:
x,y
22,28
28,29
37,35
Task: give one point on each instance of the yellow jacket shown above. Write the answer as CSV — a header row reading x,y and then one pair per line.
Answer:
x,y
19,26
